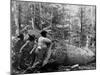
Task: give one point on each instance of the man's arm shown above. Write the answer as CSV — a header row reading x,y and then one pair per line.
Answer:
x,y
47,40
33,49
24,46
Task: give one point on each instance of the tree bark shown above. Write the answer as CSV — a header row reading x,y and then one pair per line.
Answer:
x,y
87,42
16,17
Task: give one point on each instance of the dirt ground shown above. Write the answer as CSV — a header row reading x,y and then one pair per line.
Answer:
x,y
91,66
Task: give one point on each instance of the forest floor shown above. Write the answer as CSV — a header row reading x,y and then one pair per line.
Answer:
x,y
91,66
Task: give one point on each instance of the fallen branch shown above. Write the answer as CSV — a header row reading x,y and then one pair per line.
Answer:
x,y
48,56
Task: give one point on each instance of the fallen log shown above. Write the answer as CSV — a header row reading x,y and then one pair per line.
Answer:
x,y
70,55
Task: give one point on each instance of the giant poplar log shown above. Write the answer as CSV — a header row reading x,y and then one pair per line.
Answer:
x,y
72,55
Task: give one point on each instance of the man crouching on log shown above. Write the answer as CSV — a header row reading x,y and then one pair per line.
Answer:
x,y
43,50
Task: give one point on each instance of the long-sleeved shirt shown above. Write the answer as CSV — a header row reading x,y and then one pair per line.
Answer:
x,y
42,42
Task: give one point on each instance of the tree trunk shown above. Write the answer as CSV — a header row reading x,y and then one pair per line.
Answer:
x,y
33,23
16,15
87,42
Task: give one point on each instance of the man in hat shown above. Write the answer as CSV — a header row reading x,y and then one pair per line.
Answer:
x,y
42,49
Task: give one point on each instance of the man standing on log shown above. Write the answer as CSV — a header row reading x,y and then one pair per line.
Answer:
x,y
42,50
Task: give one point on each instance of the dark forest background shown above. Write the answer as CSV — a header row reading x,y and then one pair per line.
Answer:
x,y
72,23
